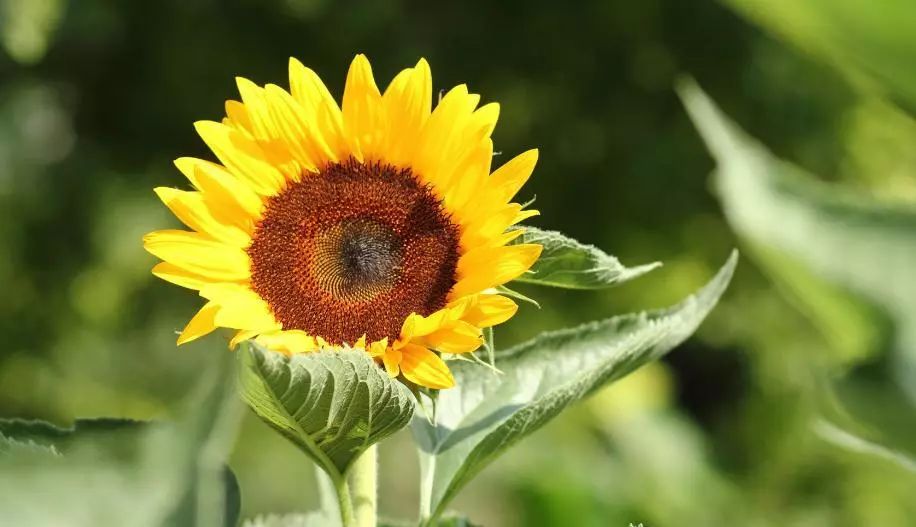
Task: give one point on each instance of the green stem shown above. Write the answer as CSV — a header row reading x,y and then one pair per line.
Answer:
x,y
364,479
343,499
428,470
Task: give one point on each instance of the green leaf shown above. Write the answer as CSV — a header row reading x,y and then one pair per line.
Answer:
x,y
486,414
854,331
117,436
866,247
569,264
333,405
875,45
107,470
856,443
18,448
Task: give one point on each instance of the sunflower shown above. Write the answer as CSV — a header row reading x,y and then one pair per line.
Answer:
x,y
375,224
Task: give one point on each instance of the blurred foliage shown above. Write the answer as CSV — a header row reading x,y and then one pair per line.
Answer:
x,y
124,472
97,97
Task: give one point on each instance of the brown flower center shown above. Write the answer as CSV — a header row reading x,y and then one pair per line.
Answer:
x,y
352,251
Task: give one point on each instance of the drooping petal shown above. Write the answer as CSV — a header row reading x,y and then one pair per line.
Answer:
x,y
241,336
240,307
416,325
201,324
423,367
378,348
288,341
458,337
489,310
391,359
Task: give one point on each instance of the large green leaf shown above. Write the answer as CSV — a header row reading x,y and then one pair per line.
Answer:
x,y
873,42
864,246
486,413
10,447
567,263
122,472
331,404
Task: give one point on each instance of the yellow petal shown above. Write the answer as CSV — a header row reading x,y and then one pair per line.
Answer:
x,y
241,336
268,129
191,208
231,199
464,187
484,229
423,367
524,215
378,348
262,126
458,337
318,106
288,342
509,178
443,141
488,267
392,360
363,113
240,307
178,276
201,324
199,255
416,325
407,102
304,138
244,158
490,310
238,116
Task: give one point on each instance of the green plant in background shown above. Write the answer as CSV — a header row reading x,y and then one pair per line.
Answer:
x,y
122,472
845,258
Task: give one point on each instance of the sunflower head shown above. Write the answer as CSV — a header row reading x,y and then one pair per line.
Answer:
x,y
375,224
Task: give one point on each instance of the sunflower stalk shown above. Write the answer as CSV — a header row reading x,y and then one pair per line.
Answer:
x,y
344,502
364,486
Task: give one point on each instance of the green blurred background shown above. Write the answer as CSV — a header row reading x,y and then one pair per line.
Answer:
x,y
97,97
